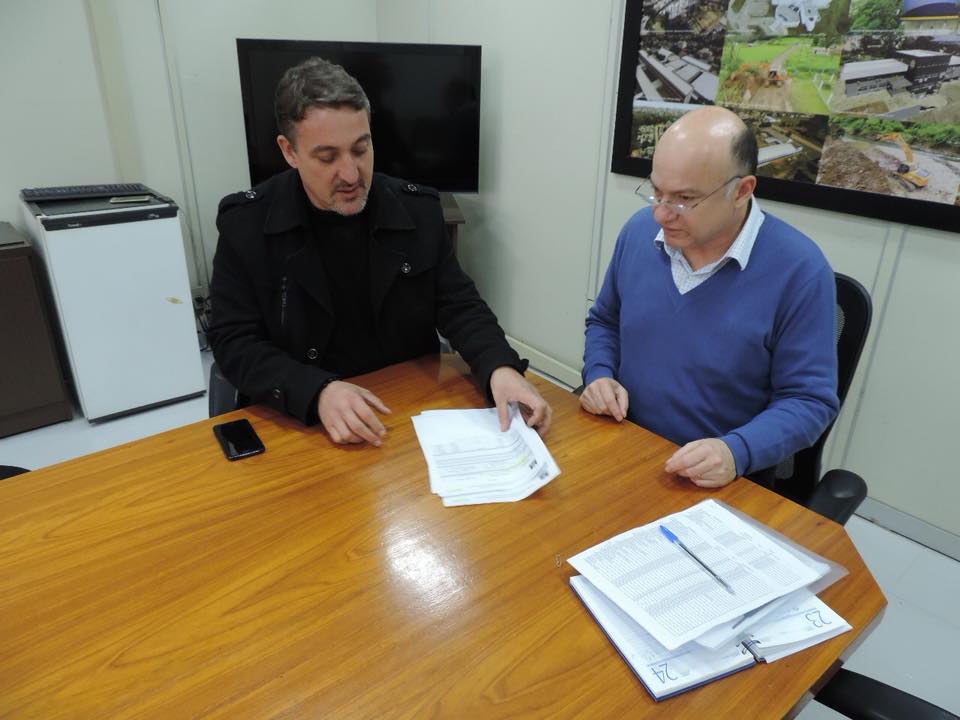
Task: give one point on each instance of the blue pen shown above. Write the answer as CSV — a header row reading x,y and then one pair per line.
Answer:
x,y
677,541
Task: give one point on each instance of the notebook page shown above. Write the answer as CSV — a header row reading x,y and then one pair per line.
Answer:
x,y
663,672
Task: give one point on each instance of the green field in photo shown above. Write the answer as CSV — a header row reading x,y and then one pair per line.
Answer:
x,y
805,98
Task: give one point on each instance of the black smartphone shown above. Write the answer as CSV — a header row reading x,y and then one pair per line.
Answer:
x,y
238,439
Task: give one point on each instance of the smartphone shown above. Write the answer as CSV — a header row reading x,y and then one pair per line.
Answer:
x,y
238,439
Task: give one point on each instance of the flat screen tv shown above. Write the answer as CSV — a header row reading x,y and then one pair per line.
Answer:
x,y
425,103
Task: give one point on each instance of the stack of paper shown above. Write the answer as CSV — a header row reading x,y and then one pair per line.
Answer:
x,y
703,593
471,461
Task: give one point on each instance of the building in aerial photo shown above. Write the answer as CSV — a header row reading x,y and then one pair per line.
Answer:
x,y
913,71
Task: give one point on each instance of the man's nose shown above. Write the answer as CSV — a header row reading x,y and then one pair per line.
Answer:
x,y
664,211
349,171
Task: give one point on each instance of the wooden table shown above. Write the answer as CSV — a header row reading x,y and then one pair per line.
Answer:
x,y
156,579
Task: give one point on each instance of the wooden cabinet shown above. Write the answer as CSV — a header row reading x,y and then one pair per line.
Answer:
x,y
32,388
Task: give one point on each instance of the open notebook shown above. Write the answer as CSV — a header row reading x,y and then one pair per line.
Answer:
x,y
799,622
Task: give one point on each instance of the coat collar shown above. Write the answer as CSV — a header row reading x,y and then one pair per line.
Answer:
x,y
287,210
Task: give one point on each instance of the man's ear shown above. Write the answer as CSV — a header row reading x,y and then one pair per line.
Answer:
x,y
745,189
286,147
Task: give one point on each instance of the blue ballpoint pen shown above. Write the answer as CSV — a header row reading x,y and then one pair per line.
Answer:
x,y
677,541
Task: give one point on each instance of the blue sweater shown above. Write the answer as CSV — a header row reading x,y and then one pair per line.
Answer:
x,y
748,356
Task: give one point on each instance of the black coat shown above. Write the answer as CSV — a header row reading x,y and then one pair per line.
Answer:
x,y
272,314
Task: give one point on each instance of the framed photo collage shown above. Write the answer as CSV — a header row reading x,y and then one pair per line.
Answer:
x,y
855,103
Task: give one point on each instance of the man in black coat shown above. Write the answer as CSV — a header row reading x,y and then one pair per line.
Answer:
x,y
330,270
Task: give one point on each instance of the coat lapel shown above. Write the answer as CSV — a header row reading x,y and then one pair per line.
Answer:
x,y
387,259
287,221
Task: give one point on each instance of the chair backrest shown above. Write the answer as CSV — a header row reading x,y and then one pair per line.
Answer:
x,y
797,479
8,471
222,396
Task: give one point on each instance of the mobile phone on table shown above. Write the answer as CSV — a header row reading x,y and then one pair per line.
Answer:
x,y
238,439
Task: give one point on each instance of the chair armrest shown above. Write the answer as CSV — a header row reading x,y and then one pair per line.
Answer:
x,y
838,495
222,396
862,698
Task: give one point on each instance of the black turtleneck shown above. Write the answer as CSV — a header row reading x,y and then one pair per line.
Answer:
x,y
344,246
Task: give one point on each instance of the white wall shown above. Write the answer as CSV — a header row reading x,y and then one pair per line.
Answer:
x,y
53,127
528,238
141,113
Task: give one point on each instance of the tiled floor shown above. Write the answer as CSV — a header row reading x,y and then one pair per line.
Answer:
x,y
914,647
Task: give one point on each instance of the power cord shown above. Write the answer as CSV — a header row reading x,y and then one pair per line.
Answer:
x,y
201,311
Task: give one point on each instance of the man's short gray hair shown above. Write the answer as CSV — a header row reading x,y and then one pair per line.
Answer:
x,y
315,83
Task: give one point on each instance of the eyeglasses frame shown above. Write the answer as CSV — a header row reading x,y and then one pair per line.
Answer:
x,y
681,208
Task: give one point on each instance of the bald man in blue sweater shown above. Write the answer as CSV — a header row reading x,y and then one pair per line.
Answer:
x,y
715,324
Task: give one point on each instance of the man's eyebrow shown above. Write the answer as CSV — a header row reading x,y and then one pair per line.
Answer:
x,y
332,148
681,191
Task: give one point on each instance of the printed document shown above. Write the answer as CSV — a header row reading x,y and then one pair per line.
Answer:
x,y
671,595
470,460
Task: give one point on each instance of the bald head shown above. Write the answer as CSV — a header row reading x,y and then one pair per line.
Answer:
x,y
714,139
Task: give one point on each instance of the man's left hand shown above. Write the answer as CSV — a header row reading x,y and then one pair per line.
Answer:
x,y
707,463
506,386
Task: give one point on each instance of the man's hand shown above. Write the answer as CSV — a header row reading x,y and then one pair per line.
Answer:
x,y
346,414
605,396
707,463
506,386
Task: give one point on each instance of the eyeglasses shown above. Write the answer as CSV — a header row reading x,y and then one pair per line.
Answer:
x,y
645,190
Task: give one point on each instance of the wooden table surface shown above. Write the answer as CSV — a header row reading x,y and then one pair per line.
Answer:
x,y
156,579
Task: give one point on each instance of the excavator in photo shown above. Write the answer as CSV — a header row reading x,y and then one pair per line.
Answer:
x,y
908,172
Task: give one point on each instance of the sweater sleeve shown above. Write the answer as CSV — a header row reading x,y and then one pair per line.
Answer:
x,y
803,378
601,353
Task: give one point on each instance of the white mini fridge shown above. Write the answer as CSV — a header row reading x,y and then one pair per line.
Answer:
x,y
119,281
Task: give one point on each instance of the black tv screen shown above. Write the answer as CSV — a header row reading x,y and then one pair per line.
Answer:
x,y
425,105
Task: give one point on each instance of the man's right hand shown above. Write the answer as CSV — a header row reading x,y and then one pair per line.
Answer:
x,y
605,396
346,414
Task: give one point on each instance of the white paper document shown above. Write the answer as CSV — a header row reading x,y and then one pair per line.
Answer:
x,y
673,597
471,461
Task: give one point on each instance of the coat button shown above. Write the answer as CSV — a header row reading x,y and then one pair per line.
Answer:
x,y
277,394
412,188
405,268
312,354
250,194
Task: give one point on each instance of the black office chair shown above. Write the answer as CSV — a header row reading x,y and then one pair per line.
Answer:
x,y
839,493
862,698
222,396
8,471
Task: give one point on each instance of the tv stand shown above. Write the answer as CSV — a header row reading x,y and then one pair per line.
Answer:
x,y
452,216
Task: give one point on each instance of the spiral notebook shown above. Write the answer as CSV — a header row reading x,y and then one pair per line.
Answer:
x,y
795,623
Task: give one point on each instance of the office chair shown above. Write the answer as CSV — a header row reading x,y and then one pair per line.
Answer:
x,y
8,471
839,493
222,396
862,698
